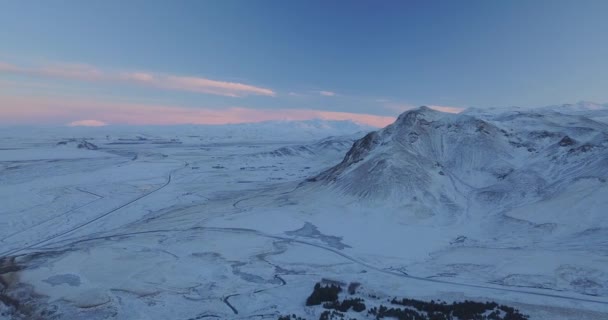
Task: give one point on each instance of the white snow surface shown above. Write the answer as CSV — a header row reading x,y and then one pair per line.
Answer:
x,y
240,221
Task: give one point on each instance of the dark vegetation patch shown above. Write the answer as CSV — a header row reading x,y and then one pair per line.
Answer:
x,y
356,304
403,308
322,294
331,315
292,317
458,310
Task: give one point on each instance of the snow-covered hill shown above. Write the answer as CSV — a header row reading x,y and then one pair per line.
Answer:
x,y
479,163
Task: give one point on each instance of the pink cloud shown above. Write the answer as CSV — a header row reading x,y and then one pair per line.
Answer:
x,y
83,72
138,76
6,67
399,108
87,123
231,89
327,93
447,109
43,110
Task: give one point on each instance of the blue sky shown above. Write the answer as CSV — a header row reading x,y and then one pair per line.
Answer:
x,y
367,57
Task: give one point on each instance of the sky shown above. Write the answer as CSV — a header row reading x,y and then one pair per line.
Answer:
x,y
223,61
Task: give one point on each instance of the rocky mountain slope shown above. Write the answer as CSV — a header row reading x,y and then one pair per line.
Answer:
x,y
474,163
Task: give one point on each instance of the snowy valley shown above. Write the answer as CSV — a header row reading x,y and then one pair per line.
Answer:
x,y
241,221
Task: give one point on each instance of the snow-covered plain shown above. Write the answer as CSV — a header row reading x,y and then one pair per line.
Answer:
x,y
225,222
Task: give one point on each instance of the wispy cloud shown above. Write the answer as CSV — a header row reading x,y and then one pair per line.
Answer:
x,y
327,93
83,72
41,110
69,71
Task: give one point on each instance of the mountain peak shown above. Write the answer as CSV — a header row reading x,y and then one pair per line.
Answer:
x,y
421,109
422,114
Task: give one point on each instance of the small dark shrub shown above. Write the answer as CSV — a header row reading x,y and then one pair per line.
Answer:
x,y
352,287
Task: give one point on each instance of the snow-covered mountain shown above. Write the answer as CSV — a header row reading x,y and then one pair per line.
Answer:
x,y
287,130
581,106
304,130
592,110
333,145
451,164
595,111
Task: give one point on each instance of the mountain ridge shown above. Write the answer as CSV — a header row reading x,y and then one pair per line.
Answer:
x,y
451,164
